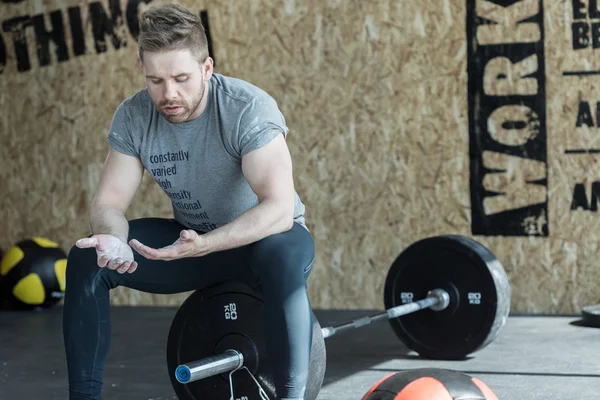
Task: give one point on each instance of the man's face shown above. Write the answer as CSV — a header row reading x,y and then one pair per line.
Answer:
x,y
176,82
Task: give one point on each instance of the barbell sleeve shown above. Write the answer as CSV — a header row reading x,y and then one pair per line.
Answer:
x,y
209,366
437,299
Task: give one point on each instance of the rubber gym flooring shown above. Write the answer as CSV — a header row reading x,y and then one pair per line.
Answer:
x,y
534,358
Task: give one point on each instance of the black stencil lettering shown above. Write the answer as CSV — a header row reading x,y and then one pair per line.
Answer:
x,y
17,27
102,25
132,15
593,7
595,196
584,115
580,33
595,35
578,9
79,47
579,198
2,54
498,208
43,37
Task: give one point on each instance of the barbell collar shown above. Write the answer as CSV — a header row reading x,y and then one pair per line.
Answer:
x,y
442,296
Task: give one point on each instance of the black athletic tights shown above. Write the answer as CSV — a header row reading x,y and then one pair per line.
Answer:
x,y
280,264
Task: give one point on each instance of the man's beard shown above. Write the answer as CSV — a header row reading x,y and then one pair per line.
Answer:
x,y
188,109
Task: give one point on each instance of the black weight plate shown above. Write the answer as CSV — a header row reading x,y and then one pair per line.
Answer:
x,y
479,296
205,319
591,316
228,315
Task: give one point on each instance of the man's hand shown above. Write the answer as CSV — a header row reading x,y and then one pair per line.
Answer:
x,y
111,252
189,244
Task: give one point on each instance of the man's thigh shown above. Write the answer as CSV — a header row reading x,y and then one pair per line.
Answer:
x,y
181,275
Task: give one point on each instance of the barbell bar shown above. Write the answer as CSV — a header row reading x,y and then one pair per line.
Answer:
x,y
231,359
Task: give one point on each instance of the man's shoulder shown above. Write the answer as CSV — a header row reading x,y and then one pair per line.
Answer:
x,y
237,90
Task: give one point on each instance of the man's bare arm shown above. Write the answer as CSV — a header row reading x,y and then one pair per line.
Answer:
x,y
119,181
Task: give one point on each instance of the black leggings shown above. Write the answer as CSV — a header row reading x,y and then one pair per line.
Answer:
x,y
279,264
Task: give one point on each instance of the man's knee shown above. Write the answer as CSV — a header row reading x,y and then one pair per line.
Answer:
x,y
280,258
80,258
82,266
270,251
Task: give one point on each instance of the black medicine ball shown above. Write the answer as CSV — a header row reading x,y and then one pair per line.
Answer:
x,y
32,275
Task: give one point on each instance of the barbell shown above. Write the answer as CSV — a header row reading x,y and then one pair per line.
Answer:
x,y
445,297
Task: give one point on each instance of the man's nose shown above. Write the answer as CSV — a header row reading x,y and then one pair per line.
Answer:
x,y
170,92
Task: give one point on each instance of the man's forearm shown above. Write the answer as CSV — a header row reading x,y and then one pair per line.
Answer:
x,y
267,218
110,221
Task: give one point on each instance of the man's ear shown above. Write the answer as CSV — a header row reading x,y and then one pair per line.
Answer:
x,y
207,66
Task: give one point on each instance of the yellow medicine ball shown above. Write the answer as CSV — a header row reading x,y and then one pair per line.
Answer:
x,y
32,275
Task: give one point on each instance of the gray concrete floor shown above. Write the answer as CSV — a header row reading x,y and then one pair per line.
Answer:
x,y
534,358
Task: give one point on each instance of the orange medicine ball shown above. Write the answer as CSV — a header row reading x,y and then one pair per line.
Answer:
x,y
429,384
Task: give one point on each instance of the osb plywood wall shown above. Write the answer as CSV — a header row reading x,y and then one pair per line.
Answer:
x,y
407,120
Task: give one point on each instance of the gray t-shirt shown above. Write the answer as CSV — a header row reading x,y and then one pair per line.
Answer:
x,y
198,163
